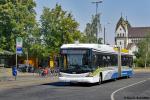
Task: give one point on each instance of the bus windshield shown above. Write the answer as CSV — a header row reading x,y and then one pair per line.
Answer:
x,y
75,61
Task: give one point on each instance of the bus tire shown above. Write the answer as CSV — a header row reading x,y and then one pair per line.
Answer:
x,y
115,79
128,76
100,79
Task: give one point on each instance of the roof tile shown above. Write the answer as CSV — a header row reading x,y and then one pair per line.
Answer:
x,y
139,32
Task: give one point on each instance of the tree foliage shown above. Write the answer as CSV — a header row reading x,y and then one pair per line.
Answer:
x,y
92,29
17,18
58,27
143,54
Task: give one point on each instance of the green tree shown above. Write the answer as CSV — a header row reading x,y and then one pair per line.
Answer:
x,y
58,27
92,29
17,18
143,54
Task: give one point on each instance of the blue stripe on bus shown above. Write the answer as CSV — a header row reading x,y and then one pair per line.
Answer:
x,y
124,73
127,73
115,75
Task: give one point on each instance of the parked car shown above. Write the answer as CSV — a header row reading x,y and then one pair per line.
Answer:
x,y
25,68
22,67
30,69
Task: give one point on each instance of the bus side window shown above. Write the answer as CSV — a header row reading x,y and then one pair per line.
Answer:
x,y
130,62
94,60
108,61
114,60
104,61
98,61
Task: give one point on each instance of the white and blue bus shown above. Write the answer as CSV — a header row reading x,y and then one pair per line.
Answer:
x,y
92,63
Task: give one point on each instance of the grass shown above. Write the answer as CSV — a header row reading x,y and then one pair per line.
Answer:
x,y
8,72
5,71
141,69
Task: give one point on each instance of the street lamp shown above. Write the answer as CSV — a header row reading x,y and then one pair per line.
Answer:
x,y
97,2
119,61
105,33
146,54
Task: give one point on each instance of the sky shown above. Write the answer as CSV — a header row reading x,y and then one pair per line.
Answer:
x,y
137,13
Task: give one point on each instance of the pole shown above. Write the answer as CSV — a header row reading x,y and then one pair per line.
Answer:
x,y
4,72
119,61
146,55
104,34
27,61
97,2
96,7
27,58
16,62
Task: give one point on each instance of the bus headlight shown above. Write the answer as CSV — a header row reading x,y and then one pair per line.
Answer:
x,y
90,74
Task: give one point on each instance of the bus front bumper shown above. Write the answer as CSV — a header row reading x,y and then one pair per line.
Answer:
x,y
79,79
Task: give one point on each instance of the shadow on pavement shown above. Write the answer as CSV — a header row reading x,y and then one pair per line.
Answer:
x,y
62,84
68,84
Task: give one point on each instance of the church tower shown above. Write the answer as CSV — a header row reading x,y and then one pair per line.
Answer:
x,y
121,33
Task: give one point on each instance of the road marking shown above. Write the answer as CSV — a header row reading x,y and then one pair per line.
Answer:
x,y
112,95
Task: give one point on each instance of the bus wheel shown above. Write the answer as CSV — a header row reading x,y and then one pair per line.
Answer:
x,y
128,76
100,79
115,79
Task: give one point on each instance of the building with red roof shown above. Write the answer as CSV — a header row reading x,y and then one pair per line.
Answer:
x,y
127,37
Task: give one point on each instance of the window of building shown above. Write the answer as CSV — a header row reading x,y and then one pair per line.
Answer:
x,y
120,42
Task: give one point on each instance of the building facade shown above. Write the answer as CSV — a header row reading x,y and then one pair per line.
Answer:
x,y
127,37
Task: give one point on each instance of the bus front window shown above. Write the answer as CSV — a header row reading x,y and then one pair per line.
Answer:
x,y
76,61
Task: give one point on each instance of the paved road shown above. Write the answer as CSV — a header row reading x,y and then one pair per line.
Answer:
x,y
136,88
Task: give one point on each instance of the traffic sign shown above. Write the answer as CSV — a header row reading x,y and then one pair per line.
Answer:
x,y
19,45
14,71
19,42
19,50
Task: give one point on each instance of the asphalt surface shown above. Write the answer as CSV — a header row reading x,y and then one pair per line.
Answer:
x,y
135,88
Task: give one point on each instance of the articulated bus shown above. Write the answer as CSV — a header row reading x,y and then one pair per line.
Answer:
x,y
92,63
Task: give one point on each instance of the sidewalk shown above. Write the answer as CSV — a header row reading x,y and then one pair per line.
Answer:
x,y
138,70
24,79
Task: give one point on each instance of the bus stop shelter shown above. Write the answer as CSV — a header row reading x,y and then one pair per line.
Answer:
x,y
5,57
